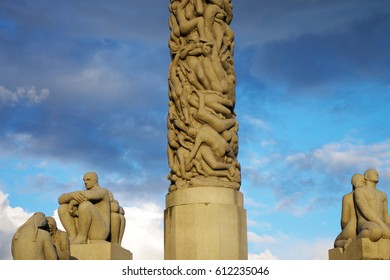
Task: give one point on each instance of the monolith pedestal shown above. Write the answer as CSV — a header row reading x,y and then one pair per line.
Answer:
x,y
205,223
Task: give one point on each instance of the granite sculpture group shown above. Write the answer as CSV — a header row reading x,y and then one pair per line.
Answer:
x,y
34,240
204,216
90,216
202,125
365,221
93,215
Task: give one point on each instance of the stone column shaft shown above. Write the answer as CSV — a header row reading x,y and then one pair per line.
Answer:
x,y
204,216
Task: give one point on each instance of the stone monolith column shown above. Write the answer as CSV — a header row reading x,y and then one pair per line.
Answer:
x,y
204,216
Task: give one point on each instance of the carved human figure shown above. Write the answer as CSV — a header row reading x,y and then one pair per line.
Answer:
x,y
373,220
32,241
215,102
203,67
118,221
187,26
174,41
175,84
193,68
209,150
60,240
182,151
214,10
202,125
86,214
348,214
215,71
218,104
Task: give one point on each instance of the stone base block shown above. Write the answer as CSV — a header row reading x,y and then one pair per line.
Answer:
x,y
362,249
99,250
205,223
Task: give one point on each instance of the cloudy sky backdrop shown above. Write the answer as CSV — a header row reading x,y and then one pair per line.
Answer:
x,y
83,87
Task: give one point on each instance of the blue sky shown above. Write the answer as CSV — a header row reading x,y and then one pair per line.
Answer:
x,y
83,87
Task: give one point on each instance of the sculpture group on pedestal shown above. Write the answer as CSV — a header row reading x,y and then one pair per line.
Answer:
x,y
364,211
89,215
202,126
40,239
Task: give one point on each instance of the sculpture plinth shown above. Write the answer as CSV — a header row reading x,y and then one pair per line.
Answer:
x,y
99,250
205,223
362,249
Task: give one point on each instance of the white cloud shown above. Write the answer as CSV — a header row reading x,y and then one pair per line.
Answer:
x,y
255,238
256,122
343,156
259,224
29,95
268,142
249,201
292,248
144,233
290,204
305,249
10,220
266,255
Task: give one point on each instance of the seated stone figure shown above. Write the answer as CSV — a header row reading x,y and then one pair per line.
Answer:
x,y
32,241
118,221
372,209
348,214
364,211
60,240
86,214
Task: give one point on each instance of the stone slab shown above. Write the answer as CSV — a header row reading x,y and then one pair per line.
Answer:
x,y
205,223
99,250
362,249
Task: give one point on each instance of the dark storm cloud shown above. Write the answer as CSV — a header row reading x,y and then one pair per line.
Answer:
x,y
115,141
262,21
105,66
312,45
357,55
90,18
293,56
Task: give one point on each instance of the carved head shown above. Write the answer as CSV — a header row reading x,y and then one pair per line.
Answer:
x,y
208,48
358,181
33,224
192,132
173,7
371,175
39,220
90,180
52,224
219,3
